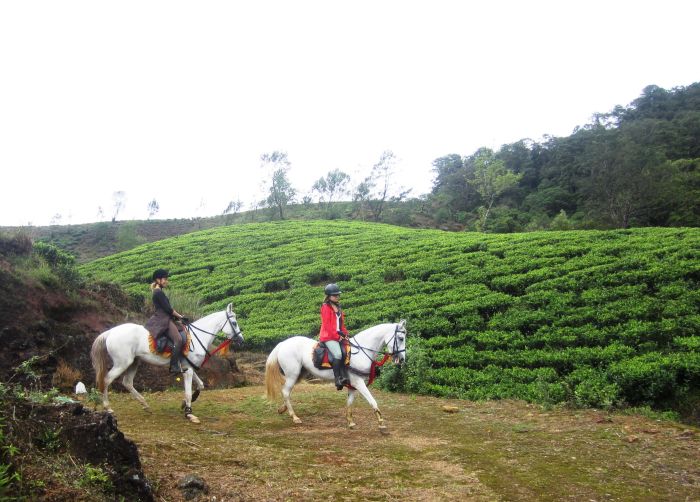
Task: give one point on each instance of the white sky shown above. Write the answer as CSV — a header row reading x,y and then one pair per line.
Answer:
x,y
177,100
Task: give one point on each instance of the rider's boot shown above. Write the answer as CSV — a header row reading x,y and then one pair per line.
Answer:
x,y
338,373
175,366
345,377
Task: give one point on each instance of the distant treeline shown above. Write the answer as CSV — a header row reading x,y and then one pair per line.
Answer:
x,y
635,166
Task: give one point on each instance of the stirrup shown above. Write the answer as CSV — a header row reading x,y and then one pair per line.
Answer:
x,y
177,370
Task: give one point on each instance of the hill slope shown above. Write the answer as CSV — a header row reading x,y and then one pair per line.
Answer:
x,y
593,317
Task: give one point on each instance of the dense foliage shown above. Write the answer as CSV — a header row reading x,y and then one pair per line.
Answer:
x,y
595,317
638,165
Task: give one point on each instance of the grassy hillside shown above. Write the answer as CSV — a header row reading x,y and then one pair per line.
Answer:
x,y
593,317
90,241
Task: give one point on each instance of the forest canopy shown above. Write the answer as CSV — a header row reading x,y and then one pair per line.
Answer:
x,y
638,165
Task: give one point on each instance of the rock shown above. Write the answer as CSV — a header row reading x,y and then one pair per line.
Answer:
x,y
450,409
192,486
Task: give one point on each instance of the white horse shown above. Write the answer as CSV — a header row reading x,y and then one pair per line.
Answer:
x,y
286,361
127,344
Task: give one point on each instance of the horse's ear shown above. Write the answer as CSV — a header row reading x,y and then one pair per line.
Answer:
x,y
229,308
402,323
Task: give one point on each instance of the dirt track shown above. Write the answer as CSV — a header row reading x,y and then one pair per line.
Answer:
x,y
501,450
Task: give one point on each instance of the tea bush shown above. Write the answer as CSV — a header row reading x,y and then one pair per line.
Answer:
x,y
595,318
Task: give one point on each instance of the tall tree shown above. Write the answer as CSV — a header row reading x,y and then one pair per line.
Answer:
x,y
491,179
118,203
333,184
279,189
153,208
379,184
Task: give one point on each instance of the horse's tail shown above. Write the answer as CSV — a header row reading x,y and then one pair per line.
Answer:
x,y
273,375
100,359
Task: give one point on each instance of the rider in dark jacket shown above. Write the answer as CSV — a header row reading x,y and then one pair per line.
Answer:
x,y
163,318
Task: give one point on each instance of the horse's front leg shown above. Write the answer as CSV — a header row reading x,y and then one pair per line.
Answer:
x,y
187,377
348,409
200,386
360,386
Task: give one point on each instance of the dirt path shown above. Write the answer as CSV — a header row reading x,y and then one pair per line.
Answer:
x,y
501,450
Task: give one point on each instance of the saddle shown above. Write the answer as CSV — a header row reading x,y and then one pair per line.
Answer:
x,y
164,347
319,354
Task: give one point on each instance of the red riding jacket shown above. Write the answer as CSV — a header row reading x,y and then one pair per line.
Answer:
x,y
329,324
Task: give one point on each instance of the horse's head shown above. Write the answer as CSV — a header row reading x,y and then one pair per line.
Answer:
x,y
231,328
396,342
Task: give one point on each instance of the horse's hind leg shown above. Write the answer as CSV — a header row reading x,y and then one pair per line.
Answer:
x,y
128,382
112,375
289,382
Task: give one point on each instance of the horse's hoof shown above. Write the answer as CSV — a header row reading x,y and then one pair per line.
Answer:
x,y
110,411
193,419
384,429
296,420
351,425
147,409
282,409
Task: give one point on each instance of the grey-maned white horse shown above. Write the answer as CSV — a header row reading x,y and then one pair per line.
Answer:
x,y
129,343
286,361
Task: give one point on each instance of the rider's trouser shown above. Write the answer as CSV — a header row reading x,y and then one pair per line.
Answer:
x,y
175,337
335,356
334,351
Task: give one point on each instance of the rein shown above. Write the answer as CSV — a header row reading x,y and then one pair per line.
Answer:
x,y
221,346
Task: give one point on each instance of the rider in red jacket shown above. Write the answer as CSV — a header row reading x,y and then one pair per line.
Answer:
x,y
333,330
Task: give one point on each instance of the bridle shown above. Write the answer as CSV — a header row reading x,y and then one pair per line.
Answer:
x,y
395,351
235,331
375,365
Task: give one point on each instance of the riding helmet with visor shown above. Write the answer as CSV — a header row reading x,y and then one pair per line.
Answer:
x,y
332,290
161,273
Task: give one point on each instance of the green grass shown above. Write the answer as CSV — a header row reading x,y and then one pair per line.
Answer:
x,y
592,318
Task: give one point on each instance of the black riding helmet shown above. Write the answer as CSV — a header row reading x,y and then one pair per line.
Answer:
x,y
161,273
332,289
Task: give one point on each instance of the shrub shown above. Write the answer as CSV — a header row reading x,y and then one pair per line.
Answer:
x,y
53,255
645,379
65,377
17,245
592,388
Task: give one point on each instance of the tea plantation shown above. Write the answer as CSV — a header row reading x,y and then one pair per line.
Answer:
x,y
597,318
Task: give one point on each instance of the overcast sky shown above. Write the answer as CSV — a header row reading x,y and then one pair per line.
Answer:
x,y
177,100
